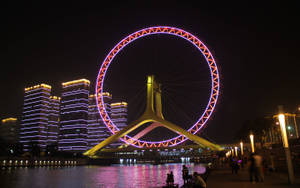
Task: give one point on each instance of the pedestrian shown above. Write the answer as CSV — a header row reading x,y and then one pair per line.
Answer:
x,y
170,179
234,166
252,170
198,182
258,167
272,165
242,163
185,174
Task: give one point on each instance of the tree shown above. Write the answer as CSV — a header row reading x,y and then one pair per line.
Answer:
x,y
258,126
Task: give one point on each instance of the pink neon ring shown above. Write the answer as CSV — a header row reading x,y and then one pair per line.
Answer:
x,y
215,84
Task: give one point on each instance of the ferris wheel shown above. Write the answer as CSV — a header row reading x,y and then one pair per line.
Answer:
x,y
156,118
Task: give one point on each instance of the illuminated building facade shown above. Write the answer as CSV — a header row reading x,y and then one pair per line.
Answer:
x,y
119,117
53,120
74,116
97,131
35,116
9,130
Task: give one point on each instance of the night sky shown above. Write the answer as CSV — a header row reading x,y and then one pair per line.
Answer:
x,y
255,45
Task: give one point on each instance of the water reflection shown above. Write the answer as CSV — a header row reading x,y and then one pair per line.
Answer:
x,y
139,175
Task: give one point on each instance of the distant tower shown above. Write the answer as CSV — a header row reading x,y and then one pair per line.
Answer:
x,y
35,116
97,131
74,116
9,130
53,120
119,117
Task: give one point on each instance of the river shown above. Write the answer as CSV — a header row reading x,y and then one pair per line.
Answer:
x,y
119,176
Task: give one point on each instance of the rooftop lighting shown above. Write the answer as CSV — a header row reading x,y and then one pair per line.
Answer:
x,y
38,86
55,97
85,81
119,104
8,119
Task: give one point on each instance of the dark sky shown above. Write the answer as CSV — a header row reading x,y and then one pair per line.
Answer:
x,y
256,47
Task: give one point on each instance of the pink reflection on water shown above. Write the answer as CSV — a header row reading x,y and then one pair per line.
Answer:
x,y
116,176
140,175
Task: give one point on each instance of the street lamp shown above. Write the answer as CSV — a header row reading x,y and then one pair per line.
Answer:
x,y
281,118
242,148
235,148
252,142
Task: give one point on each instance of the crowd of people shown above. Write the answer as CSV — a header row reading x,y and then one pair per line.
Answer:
x,y
256,165
256,168
189,180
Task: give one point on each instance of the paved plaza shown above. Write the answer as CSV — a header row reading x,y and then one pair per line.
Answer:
x,y
224,178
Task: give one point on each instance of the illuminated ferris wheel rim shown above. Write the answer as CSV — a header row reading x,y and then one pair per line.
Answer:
x,y
215,84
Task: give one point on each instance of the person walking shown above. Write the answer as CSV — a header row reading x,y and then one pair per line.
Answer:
x,y
185,174
234,166
258,167
170,179
252,170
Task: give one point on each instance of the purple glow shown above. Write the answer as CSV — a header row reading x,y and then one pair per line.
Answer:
x,y
24,141
52,121
77,104
38,118
42,92
39,109
72,107
47,98
37,114
81,134
75,111
32,132
39,122
74,100
67,128
75,93
75,120
42,105
25,104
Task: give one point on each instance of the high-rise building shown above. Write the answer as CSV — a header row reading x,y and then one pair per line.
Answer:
x,y
119,117
9,130
34,123
74,116
53,120
97,131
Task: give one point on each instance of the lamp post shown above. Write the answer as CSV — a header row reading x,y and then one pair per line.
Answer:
x,y
252,142
242,148
235,149
281,118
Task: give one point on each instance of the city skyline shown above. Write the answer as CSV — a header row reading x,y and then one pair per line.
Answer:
x,y
256,52
150,94
49,121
